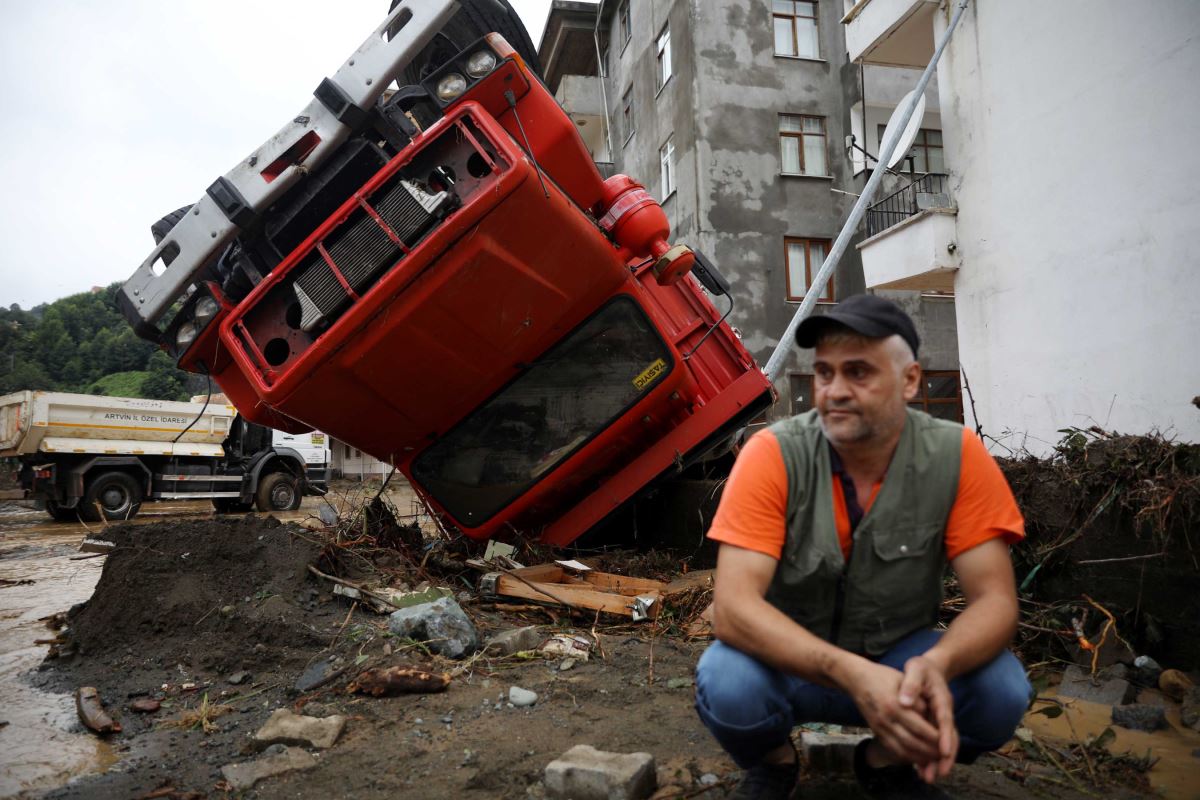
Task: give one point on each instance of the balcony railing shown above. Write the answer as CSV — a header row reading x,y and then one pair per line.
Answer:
x,y
929,191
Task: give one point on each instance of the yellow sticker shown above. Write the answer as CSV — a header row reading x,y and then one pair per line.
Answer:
x,y
649,374
318,438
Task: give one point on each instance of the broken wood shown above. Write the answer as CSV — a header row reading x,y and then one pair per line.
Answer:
x,y
91,711
638,598
381,681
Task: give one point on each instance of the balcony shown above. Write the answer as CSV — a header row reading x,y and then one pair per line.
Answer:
x,y
892,33
911,238
580,97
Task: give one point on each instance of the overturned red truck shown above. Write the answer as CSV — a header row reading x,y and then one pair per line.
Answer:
x,y
440,276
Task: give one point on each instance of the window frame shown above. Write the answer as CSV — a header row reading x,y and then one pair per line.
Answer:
x,y
812,390
799,137
793,17
830,296
628,121
923,401
922,143
663,71
666,166
624,26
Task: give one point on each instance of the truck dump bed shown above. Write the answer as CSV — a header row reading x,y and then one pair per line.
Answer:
x,y
59,422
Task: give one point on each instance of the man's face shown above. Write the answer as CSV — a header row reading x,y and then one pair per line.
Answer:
x,y
862,386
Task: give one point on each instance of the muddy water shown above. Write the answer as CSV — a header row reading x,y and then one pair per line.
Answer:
x,y
1177,773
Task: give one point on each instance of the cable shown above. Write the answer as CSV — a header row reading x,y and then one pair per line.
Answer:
x,y
708,333
207,397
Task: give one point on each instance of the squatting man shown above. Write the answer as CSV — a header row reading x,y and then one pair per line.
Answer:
x,y
835,527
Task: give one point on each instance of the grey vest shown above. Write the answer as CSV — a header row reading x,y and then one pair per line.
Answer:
x,y
893,583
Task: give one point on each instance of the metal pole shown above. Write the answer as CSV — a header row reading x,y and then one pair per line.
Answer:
x,y
775,362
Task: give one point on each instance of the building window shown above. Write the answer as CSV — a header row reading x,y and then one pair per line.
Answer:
x,y
347,451
796,29
663,70
626,30
926,151
627,113
804,258
803,392
802,145
940,395
666,162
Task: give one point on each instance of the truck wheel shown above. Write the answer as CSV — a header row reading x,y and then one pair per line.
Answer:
x,y
278,492
117,495
231,505
61,514
475,18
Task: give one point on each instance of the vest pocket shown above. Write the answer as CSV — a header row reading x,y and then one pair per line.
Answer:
x,y
908,542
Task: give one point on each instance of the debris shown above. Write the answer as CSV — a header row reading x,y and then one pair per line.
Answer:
x,y
585,773
496,549
277,760
514,640
1189,709
145,705
1174,684
830,752
567,664
228,611
238,678
91,711
680,683
567,645
709,779
1146,670
90,545
442,623
170,793
398,680
1076,682
285,727
420,598
573,565
521,697
317,675
1140,717
596,591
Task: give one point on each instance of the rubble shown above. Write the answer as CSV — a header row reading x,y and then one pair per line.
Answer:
x,y
442,624
1140,717
145,705
288,728
521,698
1076,682
277,760
1189,709
1146,670
91,711
585,773
830,752
398,680
513,641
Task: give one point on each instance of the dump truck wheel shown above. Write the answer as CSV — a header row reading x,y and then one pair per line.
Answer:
x,y
161,228
61,514
114,494
475,19
230,505
278,492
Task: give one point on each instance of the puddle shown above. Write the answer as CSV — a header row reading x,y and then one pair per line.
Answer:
x,y
1177,773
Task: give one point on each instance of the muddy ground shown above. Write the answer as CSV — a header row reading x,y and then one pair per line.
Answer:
x,y
224,612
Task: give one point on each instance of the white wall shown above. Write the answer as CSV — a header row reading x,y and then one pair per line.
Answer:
x,y
1071,132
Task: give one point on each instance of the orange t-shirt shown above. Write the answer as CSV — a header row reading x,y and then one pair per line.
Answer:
x,y
753,509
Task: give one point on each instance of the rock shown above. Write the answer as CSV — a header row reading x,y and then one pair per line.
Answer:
x,y
680,683
423,595
521,697
709,779
1077,682
829,752
1146,670
442,623
585,773
1118,671
315,675
1111,652
1174,684
1189,709
238,678
276,761
145,705
514,641
674,773
1140,717
227,611
285,727
567,663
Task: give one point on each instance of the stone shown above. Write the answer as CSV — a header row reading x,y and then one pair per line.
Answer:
x,y
521,697
286,727
679,683
585,773
1118,671
238,677
709,779
1146,670
1189,709
514,641
1140,717
442,623
1111,652
1077,683
829,752
567,663
145,705
315,675
421,596
275,761
1174,684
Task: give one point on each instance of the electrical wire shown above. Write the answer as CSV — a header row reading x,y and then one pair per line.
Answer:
x,y
207,397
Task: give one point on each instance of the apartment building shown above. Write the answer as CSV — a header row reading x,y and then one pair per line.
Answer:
x,y
1066,224
736,115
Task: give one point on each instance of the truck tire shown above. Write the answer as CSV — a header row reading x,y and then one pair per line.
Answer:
x,y
161,228
475,19
231,505
279,491
115,494
60,514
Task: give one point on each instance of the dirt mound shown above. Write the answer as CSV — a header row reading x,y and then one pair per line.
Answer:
x,y
200,592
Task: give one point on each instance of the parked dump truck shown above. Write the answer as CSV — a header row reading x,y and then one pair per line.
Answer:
x,y
440,276
84,456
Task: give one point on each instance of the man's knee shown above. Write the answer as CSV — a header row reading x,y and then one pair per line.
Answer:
x,y
735,690
999,695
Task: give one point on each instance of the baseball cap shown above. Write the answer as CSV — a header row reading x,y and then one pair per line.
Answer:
x,y
871,315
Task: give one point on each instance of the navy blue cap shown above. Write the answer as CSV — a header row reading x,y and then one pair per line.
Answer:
x,y
870,315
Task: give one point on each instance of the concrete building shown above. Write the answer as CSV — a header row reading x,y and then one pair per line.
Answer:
x,y
735,114
347,461
1067,222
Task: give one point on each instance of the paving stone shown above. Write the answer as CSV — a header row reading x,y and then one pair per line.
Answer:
x,y
275,761
286,727
442,623
1077,683
830,752
1138,717
585,773
514,641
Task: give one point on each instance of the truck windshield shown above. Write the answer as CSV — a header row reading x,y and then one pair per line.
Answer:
x,y
574,391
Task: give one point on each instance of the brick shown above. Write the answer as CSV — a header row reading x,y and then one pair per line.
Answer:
x,y
830,752
585,773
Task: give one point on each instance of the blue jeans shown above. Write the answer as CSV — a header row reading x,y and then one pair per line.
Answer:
x,y
751,708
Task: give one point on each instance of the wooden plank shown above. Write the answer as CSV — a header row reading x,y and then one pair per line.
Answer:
x,y
551,573
573,595
623,584
699,578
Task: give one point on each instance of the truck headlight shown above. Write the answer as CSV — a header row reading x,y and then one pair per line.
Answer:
x,y
481,63
206,309
451,87
186,334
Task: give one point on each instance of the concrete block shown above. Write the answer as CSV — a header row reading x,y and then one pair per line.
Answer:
x,y
830,752
285,727
512,641
276,761
442,623
1077,683
585,773
1140,717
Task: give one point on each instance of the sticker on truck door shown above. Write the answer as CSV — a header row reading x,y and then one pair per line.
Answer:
x,y
649,374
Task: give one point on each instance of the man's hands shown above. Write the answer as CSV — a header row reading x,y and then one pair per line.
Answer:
x,y
910,712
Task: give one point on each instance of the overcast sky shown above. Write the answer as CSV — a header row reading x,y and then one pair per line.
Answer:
x,y
119,111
